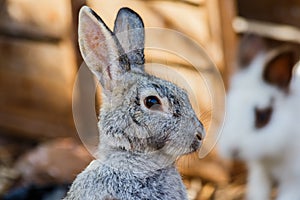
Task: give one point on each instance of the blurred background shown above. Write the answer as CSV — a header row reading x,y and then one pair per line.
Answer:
x,y
40,152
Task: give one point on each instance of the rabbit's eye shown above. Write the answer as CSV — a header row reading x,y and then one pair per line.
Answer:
x,y
152,103
262,117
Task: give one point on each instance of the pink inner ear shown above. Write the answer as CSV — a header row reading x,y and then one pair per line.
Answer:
x,y
95,42
278,71
100,49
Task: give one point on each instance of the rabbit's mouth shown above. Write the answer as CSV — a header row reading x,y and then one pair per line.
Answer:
x,y
197,141
195,144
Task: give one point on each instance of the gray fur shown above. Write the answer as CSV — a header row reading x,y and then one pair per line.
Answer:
x,y
129,30
138,145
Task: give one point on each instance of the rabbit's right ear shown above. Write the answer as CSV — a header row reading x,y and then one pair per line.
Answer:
x,y
250,46
100,49
129,29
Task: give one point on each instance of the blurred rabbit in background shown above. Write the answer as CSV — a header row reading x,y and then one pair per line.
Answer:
x,y
263,119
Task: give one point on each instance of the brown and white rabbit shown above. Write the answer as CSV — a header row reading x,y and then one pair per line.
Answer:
x,y
263,119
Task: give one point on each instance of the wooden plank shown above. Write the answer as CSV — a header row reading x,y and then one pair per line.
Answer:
x,y
47,18
35,125
188,20
275,31
214,25
227,9
276,11
76,5
36,82
187,2
108,11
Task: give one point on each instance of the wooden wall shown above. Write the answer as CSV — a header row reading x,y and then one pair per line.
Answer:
x,y
37,68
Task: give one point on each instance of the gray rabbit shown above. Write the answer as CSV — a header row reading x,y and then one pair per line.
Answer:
x,y
145,123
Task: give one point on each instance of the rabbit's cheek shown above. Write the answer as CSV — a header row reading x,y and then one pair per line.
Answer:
x,y
156,143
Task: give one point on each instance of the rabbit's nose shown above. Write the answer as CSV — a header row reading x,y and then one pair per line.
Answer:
x,y
199,136
200,133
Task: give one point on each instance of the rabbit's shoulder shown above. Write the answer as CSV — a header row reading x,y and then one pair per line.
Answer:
x,y
109,182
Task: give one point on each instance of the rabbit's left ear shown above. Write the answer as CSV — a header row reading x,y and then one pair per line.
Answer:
x,y
278,70
100,49
129,29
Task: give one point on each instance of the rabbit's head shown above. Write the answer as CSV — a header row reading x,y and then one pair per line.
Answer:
x,y
140,113
260,102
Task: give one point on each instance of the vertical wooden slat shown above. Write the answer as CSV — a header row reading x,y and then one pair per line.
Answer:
x,y
76,5
215,31
227,10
